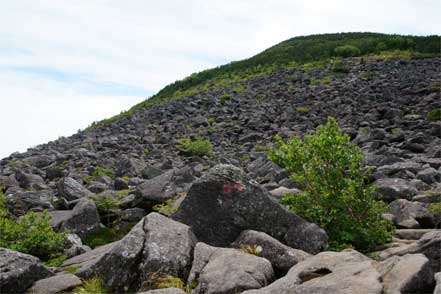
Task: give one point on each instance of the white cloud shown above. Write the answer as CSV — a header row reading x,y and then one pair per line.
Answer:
x,y
141,46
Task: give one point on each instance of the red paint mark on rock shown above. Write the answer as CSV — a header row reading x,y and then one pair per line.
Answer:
x,y
228,188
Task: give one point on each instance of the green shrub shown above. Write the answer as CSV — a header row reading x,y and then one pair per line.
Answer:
x,y
224,98
91,286
335,195
347,51
56,260
31,234
302,109
103,171
339,67
196,147
72,269
434,115
168,207
239,89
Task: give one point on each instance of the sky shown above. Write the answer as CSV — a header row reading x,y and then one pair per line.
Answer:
x,y
65,64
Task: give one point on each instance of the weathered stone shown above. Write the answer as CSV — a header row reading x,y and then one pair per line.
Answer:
x,y
328,272
394,188
71,189
168,247
438,283
429,175
21,202
410,273
281,256
18,271
223,270
82,220
61,283
223,203
410,215
283,191
156,244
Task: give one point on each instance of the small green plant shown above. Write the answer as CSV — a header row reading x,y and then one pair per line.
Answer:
x,y
159,280
347,51
91,286
103,171
339,67
31,234
302,109
239,89
123,193
212,120
335,193
224,98
252,249
368,75
245,157
105,203
196,147
101,237
18,164
71,269
260,148
125,178
434,115
146,150
167,208
56,260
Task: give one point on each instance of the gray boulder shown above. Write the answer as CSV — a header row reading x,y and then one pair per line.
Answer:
x,y
281,256
168,247
224,270
438,283
61,283
21,202
429,245
410,273
223,203
82,220
30,181
19,271
429,175
155,245
328,272
390,189
156,190
410,215
71,189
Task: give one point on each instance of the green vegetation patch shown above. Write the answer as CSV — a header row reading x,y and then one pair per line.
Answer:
x,y
331,171
434,115
91,286
101,237
31,234
196,147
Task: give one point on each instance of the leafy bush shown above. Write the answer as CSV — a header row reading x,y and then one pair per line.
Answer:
x,y
103,171
339,67
335,195
196,147
434,115
31,234
347,51
56,260
224,98
91,286
302,109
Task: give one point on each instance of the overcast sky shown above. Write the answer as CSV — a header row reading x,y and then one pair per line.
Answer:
x,y
64,64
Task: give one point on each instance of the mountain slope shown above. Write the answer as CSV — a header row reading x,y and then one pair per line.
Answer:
x,y
123,169
293,53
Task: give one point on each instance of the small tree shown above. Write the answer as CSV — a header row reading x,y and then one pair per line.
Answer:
x,y
335,193
347,51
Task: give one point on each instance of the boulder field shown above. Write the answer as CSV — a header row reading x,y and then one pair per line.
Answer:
x,y
214,222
